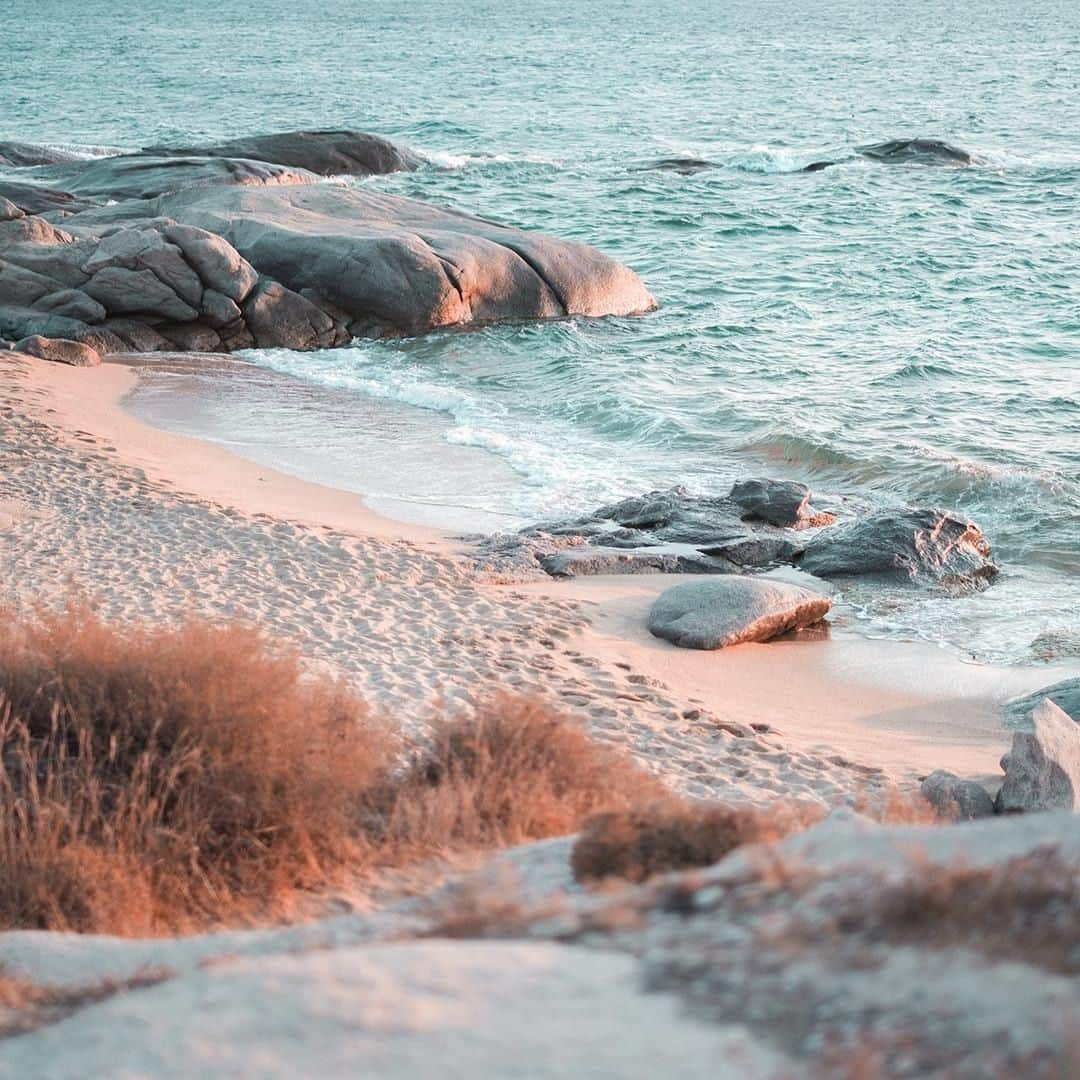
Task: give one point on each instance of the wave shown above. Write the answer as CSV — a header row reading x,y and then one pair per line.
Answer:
x,y
452,162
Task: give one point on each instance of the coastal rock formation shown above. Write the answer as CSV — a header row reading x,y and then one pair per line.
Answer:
x,y
1042,769
759,524
955,798
1065,695
732,610
905,544
218,253
20,155
328,153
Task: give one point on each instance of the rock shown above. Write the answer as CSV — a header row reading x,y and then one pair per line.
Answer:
x,y
29,228
40,199
662,559
21,155
63,352
685,166
1042,769
140,176
908,544
126,292
220,266
147,249
137,336
1065,695
9,211
956,798
279,318
916,151
190,337
72,303
403,264
733,609
783,503
328,153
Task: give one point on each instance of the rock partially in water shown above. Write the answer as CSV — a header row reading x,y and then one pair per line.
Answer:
x,y
920,546
783,503
917,152
22,155
328,153
685,166
1065,695
1042,769
955,798
40,198
589,560
142,176
732,610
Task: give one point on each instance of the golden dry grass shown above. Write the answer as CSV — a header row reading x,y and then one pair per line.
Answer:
x,y
678,834
160,780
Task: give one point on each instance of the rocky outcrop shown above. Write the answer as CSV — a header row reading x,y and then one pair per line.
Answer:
x,y
63,352
955,798
759,524
1042,769
732,610
20,155
1065,695
328,153
904,545
212,253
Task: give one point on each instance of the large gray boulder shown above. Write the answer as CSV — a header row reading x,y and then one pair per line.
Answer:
x,y
1042,769
920,546
328,153
734,609
955,798
1065,695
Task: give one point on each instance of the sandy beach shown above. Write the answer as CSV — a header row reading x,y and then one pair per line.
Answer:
x,y
147,523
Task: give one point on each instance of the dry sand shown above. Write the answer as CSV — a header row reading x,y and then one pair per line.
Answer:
x,y
151,524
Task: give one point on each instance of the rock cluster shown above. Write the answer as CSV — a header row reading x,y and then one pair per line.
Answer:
x,y
202,249
758,524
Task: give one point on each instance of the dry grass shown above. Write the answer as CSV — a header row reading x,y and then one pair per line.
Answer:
x,y
678,834
161,780
510,772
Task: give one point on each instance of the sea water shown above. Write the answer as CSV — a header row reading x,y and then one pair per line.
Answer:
x,y
893,333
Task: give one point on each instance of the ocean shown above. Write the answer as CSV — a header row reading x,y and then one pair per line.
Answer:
x,y
892,333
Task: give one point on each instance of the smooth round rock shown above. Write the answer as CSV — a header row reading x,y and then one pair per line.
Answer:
x,y
733,609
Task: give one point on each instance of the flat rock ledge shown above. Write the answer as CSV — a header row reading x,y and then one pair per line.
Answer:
x,y
248,244
732,610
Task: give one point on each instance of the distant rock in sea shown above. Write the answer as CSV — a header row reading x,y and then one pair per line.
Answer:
x,y
205,251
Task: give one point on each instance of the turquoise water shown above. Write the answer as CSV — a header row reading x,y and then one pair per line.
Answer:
x,y
899,333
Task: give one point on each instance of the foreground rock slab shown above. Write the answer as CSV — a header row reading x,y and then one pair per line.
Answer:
x,y
732,610
1042,770
438,1008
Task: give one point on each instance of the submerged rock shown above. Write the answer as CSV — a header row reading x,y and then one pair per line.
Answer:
x,y
907,544
328,153
956,798
1065,695
1042,769
732,610
916,151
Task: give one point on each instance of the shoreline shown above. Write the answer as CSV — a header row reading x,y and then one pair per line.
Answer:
x,y
841,711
